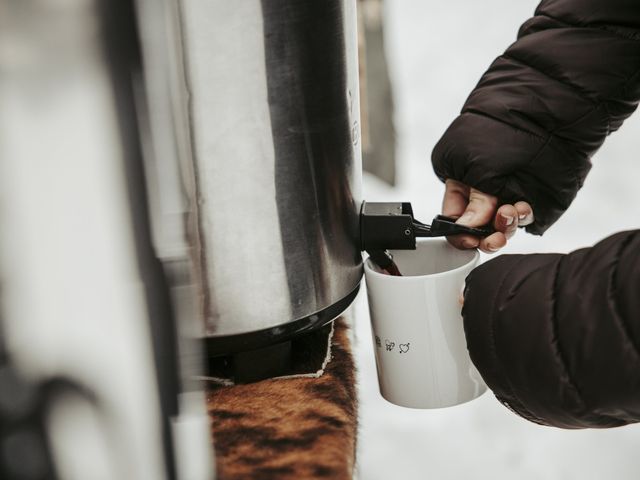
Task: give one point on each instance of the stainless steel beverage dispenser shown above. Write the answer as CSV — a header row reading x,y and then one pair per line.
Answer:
x,y
275,219
275,181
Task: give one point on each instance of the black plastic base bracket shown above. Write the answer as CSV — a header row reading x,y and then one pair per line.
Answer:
x,y
227,345
267,362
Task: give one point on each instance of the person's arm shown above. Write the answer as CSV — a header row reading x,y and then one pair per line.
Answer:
x,y
557,337
529,128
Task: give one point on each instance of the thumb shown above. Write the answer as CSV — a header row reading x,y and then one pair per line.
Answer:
x,y
480,209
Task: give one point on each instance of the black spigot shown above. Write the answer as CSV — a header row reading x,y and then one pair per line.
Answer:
x,y
390,225
387,225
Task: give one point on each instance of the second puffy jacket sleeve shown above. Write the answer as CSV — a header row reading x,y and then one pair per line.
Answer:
x,y
557,337
544,107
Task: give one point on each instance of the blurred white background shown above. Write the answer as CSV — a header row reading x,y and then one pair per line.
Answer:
x,y
437,51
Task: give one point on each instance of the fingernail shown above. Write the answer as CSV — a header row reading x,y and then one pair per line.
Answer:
x,y
493,249
523,216
466,218
508,220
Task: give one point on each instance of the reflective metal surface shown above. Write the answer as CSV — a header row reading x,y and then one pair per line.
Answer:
x,y
274,109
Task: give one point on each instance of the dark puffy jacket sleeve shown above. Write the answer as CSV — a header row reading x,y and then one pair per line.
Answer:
x,y
544,107
557,337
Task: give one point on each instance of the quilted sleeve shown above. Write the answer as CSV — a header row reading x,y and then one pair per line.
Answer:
x,y
544,107
557,337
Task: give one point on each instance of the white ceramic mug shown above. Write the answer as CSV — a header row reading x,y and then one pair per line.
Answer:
x,y
420,347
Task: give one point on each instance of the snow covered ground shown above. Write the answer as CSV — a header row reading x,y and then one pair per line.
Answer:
x,y
437,52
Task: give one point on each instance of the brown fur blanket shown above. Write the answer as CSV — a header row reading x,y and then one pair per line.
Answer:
x,y
289,428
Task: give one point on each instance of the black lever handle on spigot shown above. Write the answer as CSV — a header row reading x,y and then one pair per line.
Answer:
x,y
385,226
442,226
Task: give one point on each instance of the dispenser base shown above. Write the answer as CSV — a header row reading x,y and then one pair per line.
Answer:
x,y
232,344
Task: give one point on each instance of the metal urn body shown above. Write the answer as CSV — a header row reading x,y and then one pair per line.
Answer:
x,y
276,171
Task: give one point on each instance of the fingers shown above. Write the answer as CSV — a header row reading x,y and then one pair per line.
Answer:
x,y
478,212
456,198
474,208
506,220
493,242
506,224
464,242
525,213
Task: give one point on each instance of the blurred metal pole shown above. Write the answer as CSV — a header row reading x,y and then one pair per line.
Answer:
x,y
376,91
169,181
84,297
